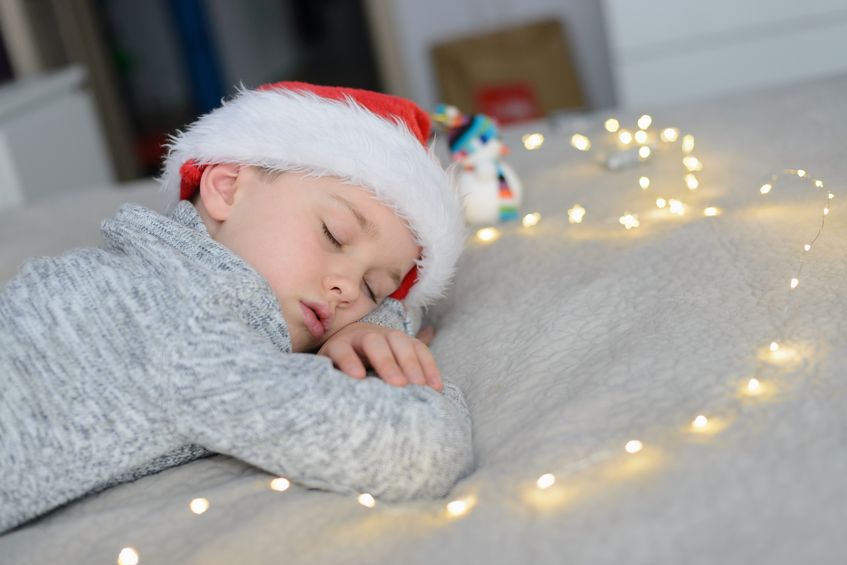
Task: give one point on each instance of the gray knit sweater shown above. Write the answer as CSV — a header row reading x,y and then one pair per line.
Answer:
x,y
123,360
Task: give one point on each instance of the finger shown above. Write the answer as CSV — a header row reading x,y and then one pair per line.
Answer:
x,y
344,357
426,334
406,355
378,352
430,369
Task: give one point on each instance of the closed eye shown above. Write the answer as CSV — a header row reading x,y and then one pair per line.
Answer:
x,y
338,244
330,237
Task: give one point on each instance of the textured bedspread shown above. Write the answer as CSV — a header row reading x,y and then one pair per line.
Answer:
x,y
570,341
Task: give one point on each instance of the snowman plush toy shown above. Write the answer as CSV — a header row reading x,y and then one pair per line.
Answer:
x,y
491,189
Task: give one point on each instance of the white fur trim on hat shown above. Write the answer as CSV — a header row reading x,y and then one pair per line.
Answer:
x,y
300,131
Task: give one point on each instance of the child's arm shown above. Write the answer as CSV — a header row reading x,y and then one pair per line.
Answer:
x,y
296,416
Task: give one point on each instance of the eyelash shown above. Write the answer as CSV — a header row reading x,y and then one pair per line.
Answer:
x,y
337,244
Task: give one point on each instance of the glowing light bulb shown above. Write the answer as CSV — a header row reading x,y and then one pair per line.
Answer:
x,y
830,196
766,188
487,234
819,183
644,182
794,283
661,202
633,446
700,422
531,219
692,163
199,505
644,152
801,173
774,346
645,121
532,141
612,125
676,207
625,136
457,507
669,135
629,221
641,137
545,481
753,385
576,214
366,500
826,211
128,556
280,484
712,211
691,181
687,143
807,247
580,142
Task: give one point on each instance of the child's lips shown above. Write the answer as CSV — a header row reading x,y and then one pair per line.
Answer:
x,y
314,324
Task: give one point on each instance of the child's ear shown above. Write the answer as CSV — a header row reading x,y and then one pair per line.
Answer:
x,y
217,189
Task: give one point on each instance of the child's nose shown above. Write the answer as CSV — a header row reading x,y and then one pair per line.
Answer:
x,y
343,289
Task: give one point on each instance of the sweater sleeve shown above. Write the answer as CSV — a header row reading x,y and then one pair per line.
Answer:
x,y
296,416
393,314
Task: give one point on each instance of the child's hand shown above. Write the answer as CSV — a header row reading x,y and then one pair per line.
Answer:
x,y
397,358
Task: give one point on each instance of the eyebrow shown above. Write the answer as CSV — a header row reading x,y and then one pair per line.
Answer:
x,y
370,228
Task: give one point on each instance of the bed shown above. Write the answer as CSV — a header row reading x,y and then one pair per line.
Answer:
x,y
609,371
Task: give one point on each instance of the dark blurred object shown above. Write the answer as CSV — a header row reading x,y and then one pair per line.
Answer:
x,y
514,74
338,48
6,73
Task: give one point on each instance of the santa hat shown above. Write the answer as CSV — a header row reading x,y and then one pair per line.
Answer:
x,y
369,139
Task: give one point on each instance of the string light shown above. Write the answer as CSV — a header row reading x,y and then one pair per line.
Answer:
x,y
545,481
712,211
687,143
459,507
766,188
644,152
794,282
676,207
819,183
692,163
625,136
644,182
669,135
661,202
576,214
807,247
629,221
691,181
280,484
645,121
580,142
488,234
774,346
531,219
641,137
128,556
633,446
612,125
199,505
753,385
700,422
366,500
532,141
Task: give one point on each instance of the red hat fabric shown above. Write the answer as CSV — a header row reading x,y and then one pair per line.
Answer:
x,y
371,139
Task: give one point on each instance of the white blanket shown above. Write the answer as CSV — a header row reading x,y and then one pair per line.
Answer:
x,y
570,341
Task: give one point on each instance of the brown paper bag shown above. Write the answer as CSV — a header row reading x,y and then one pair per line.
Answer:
x,y
513,74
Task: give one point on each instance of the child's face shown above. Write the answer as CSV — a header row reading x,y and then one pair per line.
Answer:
x,y
284,228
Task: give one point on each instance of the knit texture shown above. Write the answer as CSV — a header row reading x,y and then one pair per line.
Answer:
x,y
163,346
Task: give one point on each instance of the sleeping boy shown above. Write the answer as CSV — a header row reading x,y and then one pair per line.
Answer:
x,y
310,219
